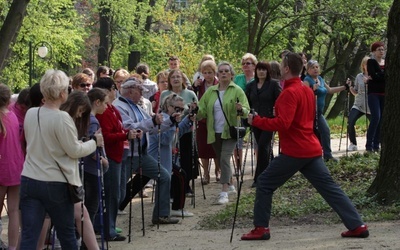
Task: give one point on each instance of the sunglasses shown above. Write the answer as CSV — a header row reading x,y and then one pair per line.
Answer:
x,y
247,63
85,85
178,109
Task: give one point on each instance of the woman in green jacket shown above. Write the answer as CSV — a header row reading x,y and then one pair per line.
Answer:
x,y
234,102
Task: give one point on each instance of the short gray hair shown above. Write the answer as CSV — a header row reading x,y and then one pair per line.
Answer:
x,y
53,83
229,65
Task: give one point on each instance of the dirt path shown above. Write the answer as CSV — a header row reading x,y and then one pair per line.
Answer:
x,y
187,234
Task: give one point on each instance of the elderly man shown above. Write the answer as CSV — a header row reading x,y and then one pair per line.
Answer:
x,y
134,117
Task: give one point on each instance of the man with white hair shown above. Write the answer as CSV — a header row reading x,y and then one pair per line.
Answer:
x,y
134,117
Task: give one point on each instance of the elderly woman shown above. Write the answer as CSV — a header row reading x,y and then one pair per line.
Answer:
x,y
81,82
51,163
219,105
206,152
177,85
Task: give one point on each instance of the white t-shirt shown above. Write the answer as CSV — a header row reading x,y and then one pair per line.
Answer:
x,y
219,118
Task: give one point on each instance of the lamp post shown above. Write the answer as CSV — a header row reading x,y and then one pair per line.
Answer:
x,y
42,49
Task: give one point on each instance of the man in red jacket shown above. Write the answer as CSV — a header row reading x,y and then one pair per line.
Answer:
x,y
301,151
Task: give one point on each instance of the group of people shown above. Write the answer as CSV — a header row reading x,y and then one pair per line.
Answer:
x,y
111,132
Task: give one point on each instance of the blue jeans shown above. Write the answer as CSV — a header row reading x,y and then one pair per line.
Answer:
x,y
325,134
112,184
282,168
150,170
354,115
125,172
39,197
375,103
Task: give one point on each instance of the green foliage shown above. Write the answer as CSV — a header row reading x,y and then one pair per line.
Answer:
x,y
298,201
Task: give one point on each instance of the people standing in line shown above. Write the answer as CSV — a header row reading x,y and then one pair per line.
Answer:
x,y
47,171
376,95
144,71
12,160
78,106
177,85
218,102
301,151
114,137
360,106
262,94
81,82
208,70
249,62
162,84
321,89
171,110
134,117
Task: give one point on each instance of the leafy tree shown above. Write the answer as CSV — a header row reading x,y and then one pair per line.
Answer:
x,y
386,185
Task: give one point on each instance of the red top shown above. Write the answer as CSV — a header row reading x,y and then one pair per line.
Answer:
x,y
113,133
295,114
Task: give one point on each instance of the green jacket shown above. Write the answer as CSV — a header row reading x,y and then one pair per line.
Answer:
x,y
206,108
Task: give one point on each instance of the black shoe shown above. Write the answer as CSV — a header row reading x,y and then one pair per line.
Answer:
x,y
254,185
117,237
164,220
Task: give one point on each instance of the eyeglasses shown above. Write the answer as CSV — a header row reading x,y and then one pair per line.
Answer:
x,y
381,49
247,63
178,109
222,71
85,85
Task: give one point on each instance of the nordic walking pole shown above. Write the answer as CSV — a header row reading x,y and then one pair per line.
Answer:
x,y
158,174
101,194
237,170
131,190
193,154
239,190
366,106
141,181
83,200
252,151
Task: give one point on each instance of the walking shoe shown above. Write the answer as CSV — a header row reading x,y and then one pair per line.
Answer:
x,y
178,213
258,233
232,189
118,230
121,212
359,232
190,194
164,220
352,147
223,198
117,237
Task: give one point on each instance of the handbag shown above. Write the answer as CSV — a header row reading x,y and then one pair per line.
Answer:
x,y
233,131
76,193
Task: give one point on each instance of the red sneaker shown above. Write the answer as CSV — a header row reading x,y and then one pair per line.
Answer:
x,y
259,233
359,232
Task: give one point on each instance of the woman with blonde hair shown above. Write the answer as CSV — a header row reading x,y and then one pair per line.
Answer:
x,y
51,164
360,106
11,162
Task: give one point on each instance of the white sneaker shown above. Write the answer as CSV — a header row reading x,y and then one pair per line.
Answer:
x,y
232,189
121,212
178,213
223,198
150,183
352,147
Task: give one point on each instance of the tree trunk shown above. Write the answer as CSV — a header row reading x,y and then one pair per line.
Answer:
x,y
297,8
386,185
102,53
149,18
10,28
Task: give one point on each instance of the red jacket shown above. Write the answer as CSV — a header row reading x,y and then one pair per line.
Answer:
x,y
113,133
295,114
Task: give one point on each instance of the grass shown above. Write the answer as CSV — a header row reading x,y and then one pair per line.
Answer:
x,y
298,201
336,126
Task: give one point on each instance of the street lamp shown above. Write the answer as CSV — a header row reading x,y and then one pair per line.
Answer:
x,y
42,49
